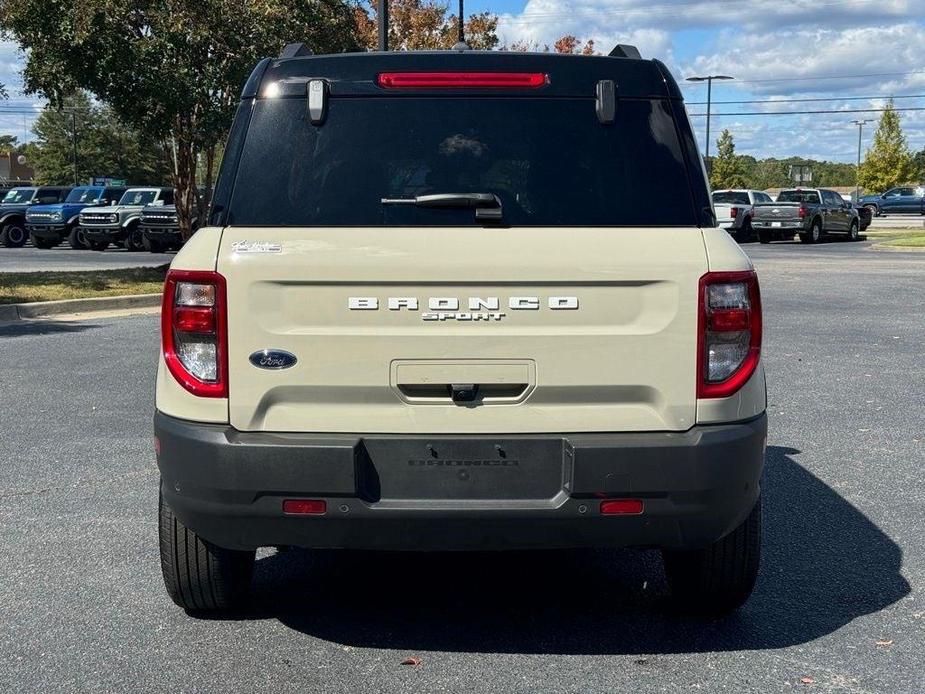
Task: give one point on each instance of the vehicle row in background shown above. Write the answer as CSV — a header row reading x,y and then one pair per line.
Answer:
x,y
810,213
140,218
901,199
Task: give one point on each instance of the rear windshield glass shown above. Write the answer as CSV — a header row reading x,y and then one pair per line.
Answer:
x,y
549,161
18,195
810,196
730,198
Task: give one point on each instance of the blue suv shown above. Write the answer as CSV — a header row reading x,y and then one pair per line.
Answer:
x,y
49,225
14,205
901,199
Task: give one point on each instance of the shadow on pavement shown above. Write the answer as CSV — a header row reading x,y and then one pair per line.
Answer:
x,y
36,327
824,565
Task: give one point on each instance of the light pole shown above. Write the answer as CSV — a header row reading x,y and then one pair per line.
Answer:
x,y
709,80
857,172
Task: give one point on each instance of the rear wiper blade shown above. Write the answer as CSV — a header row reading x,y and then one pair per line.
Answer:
x,y
487,206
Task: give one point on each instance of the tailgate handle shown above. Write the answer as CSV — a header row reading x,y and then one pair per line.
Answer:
x,y
464,392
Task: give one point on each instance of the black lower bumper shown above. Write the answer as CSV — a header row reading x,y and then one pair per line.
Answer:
x,y
460,492
111,234
50,232
163,235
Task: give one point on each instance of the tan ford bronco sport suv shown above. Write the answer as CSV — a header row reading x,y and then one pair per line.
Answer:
x,y
437,307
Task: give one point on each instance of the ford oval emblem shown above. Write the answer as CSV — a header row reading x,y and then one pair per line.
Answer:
x,y
273,359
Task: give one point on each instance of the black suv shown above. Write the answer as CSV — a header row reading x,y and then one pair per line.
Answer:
x,y
13,209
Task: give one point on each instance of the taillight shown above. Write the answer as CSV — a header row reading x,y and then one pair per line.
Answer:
x,y
729,332
461,80
194,333
733,212
801,212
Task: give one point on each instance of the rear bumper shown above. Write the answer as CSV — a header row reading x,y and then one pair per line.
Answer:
x,y
447,493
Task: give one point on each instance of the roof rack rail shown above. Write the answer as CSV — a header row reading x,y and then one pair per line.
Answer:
x,y
295,50
624,50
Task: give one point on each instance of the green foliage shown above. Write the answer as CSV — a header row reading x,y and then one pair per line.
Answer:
x,y
105,147
725,169
918,167
774,173
8,143
168,68
887,162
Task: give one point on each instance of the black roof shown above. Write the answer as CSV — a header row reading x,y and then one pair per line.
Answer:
x,y
354,74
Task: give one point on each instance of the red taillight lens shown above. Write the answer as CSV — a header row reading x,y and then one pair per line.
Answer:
x,y
729,332
621,507
462,80
305,507
733,212
194,334
194,319
802,212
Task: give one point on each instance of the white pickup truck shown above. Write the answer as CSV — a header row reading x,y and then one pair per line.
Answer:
x,y
733,210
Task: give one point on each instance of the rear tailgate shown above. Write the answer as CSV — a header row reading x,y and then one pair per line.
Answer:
x,y
787,213
602,336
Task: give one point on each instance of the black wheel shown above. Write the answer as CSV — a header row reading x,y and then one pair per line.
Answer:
x,y
814,233
853,232
42,243
77,240
199,576
13,235
134,239
97,245
719,578
763,236
153,246
745,233
874,210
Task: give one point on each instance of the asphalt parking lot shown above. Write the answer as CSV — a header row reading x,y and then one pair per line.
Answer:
x,y
839,607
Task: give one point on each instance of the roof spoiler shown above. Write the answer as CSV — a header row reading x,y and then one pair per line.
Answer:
x,y
624,50
295,50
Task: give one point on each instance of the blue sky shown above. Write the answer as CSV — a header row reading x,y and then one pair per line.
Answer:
x,y
866,50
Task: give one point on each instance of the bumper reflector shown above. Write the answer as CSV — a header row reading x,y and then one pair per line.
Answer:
x,y
621,507
304,507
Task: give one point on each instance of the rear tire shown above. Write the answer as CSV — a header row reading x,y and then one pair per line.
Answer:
x,y
763,236
874,210
814,233
745,233
42,243
853,232
77,240
13,235
98,245
720,578
199,576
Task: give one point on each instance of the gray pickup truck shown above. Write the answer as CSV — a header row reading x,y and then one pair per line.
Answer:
x,y
810,212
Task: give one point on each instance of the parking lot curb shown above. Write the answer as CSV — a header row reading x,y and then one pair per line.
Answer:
x,y
43,309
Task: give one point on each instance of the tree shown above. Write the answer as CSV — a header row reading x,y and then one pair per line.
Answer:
x,y
887,162
8,143
918,166
172,69
564,44
416,25
105,146
726,170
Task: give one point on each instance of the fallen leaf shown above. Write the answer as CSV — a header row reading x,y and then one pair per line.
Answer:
x,y
807,680
883,643
411,661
